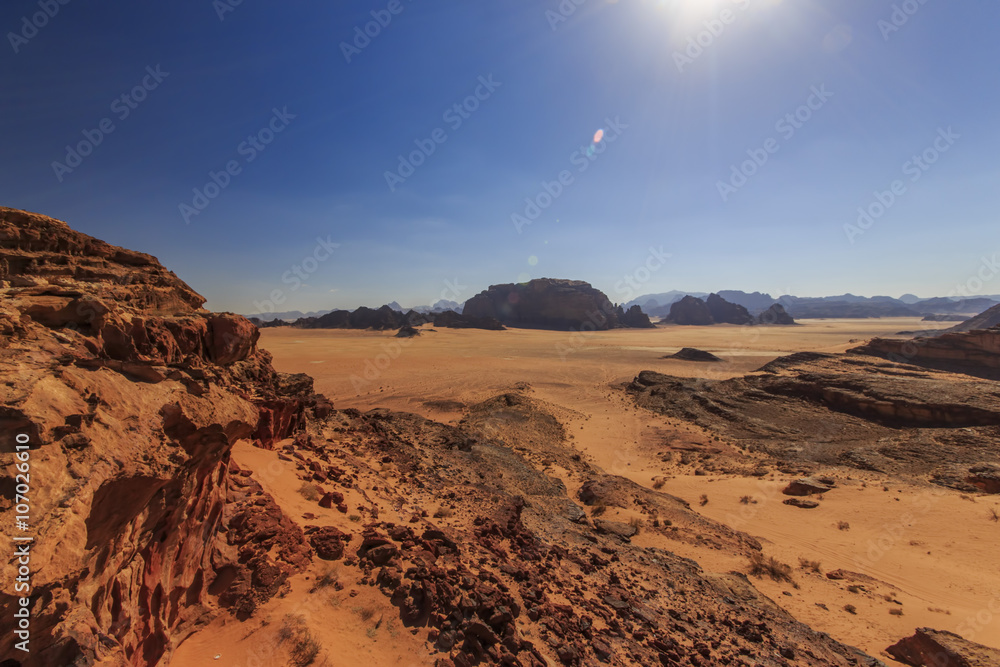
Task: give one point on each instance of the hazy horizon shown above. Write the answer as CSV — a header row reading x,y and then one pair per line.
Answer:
x,y
621,123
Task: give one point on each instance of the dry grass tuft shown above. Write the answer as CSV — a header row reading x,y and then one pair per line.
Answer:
x,y
770,566
812,565
703,500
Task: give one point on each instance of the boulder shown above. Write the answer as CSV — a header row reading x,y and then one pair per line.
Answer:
x,y
804,504
807,486
936,648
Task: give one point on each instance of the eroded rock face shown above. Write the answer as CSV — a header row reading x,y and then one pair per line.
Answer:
x,y
131,397
776,314
975,352
725,312
935,648
690,311
852,409
548,303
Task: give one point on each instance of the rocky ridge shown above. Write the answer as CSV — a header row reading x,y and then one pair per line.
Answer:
x,y
131,396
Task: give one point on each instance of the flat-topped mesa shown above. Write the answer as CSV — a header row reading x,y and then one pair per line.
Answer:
x,y
548,303
41,258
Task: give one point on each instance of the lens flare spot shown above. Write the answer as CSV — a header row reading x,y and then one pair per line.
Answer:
x,y
598,136
523,278
533,261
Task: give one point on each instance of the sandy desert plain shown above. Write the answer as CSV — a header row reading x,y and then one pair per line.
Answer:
x,y
927,554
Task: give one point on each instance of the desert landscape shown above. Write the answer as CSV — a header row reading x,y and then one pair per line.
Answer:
x,y
468,492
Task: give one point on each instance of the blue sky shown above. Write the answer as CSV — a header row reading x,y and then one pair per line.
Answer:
x,y
680,116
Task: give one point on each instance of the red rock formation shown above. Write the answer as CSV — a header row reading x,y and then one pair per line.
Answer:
x,y
131,396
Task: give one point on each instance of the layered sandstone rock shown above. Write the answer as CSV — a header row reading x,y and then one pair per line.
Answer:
x,y
974,352
935,648
131,396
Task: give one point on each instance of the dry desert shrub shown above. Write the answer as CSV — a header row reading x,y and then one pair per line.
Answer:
x,y
850,609
599,510
311,492
636,523
748,500
325,580
770,566
896,611
443,513
994,515
658,483
843,525
813,565
366,612
703,500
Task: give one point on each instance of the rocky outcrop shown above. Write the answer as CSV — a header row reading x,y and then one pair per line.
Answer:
x,y
449,319
936,648
973,352
807,486
693,354
690,311
131,396
850,409
633,318
776,314
548,303
988,319
724,312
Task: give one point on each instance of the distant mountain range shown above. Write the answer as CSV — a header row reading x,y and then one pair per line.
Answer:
x,y
841,306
